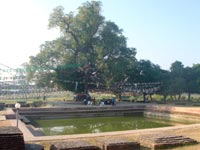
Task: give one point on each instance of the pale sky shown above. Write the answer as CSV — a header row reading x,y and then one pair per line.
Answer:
x,y
162,31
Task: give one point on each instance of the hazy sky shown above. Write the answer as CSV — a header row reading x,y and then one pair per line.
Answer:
x,y
162,31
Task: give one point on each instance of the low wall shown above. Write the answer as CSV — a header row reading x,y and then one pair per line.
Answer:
x,y
2,105
48,113
11,138
173,113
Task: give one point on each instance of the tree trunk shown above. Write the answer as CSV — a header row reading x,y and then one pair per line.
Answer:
x,y
86,86
179,96
164,97
86,81
120,96
171,97
150,95
75,56
144,97
189,96
175,97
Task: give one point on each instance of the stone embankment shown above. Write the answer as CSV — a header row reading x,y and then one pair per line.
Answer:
x,y
88,111
179,114
152,138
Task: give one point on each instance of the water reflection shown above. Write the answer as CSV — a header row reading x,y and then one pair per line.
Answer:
x,y
96,125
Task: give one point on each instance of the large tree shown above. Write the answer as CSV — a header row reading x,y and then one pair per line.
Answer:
x,y
191,78
177,82
147,72
90,51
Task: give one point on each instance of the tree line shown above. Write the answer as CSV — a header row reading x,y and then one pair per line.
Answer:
x,y
92,52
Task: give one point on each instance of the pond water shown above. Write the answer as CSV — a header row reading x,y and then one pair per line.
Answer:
x,y
96,125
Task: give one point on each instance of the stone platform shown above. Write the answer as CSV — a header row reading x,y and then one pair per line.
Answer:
x,y
165,141
11,138
118,144
73,145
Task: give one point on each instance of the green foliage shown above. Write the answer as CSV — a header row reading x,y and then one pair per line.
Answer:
x,y
180,103
148,72
157,97
196,104
180,80
92,52
99,96
96,47
38,104
177,68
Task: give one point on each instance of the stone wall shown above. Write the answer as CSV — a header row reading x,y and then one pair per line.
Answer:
x,y
2,105
11,138
118,144
48,113
73,145
173,113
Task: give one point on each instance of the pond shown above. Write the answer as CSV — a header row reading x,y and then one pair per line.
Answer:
x,y
96,124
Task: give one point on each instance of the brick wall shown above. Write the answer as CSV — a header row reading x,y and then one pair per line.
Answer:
x,y
11,138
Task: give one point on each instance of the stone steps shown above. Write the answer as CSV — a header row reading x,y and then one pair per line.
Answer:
x,y
165,141
80,112
117,144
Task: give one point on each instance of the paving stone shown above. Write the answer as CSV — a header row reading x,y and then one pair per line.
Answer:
x,y
73,145
118,144
165,141
33,147
9,130
2,118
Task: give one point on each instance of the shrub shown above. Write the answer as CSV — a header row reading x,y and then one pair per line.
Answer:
x,y
180,103
38,104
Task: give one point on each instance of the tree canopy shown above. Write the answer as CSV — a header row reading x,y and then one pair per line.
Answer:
x,y
90,51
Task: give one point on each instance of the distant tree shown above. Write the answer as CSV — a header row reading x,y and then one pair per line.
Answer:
x,y
41,68
196,68
144,71
191,78
177,68
148,72
177,82
165,79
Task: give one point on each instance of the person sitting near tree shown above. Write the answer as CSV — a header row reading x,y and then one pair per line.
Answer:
x,y
113,101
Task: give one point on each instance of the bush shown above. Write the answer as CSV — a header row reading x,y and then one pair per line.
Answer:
x,y
157,97
180,103
161,102
183,98
38,104
196,104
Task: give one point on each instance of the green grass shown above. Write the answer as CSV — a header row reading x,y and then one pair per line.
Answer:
x,y
15,101
195,98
